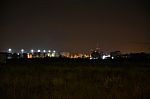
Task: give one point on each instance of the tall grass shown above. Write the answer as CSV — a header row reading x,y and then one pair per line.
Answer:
x,y
74,81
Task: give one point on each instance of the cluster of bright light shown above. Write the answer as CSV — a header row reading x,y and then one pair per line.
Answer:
x,y
44,51
38,50
22,50
49,51
32,51
91,58
112,57
9,50
105,56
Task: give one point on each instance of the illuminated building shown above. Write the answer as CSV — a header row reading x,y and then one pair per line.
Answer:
x,y
115,54
29,55
65,54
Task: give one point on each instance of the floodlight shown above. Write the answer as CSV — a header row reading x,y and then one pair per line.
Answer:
x,y
9,50
22,50
39,50
32,50
44,51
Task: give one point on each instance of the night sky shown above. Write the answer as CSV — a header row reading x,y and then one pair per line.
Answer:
x,y
75,25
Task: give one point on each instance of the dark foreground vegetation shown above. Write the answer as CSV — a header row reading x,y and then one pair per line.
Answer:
x,y
75,79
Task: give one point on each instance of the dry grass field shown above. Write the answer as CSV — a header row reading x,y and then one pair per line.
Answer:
x,y
75,80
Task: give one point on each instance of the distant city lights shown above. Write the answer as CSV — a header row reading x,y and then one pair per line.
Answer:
x,y
105,56
49,51
39,51
9,50
44,51
22,50
92,55
54,51
32,51
112,57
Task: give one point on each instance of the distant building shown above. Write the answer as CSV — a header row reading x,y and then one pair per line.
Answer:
x,y
86,55
65,54
43,54
37,55
115,54
75,55
9,55
16,55
29,55
96,55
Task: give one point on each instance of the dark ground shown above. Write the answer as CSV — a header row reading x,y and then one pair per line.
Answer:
x,y
75,79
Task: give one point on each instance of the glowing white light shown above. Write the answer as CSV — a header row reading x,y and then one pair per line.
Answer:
x,y
105,56
32,51
44,51
53,54
9,50
112,57
91,58
39,50
49,54
49,51
22,50
54,51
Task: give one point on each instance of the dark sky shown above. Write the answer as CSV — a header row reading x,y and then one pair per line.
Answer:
x,y
75,25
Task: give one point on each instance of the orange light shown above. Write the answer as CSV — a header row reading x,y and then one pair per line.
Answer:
x,y
29,55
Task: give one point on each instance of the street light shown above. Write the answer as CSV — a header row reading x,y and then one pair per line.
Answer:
x,y
32,50
44,51
49,51
9,50
39,50
22,50
54,51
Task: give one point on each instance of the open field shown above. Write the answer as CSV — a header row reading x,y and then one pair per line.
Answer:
x,y
75,80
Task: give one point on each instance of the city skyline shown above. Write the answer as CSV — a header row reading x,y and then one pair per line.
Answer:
x,y
76,25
